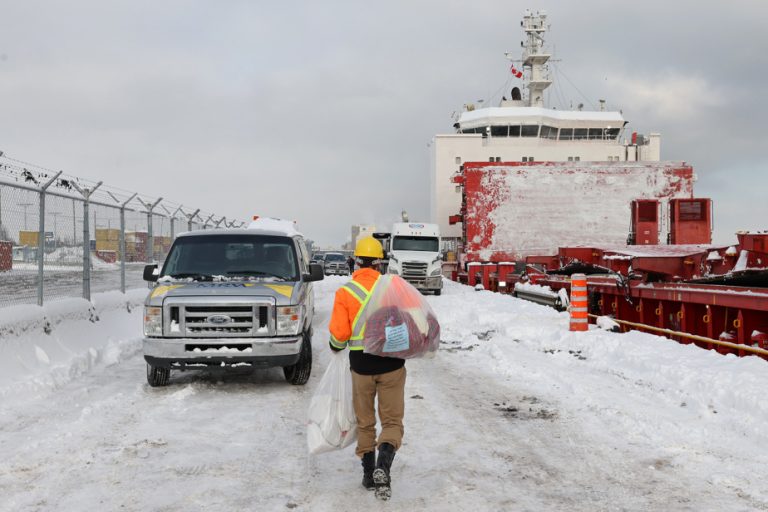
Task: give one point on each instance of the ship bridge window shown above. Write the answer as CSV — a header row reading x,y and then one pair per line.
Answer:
x,y
514,131
580,133
548,132
499,131
596,134
530,131
612,133
566,133
481,130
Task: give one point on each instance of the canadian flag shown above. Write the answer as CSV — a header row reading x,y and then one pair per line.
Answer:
x,y
516,72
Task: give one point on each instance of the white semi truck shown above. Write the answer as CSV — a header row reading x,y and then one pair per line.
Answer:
x,y
415,255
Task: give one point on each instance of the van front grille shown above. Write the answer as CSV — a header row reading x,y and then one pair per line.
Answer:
x,y
222,320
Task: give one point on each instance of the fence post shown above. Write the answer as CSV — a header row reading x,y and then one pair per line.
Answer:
x,y
190,217
122,237
173,222
41,240
86,193
74,223
150,256
86,250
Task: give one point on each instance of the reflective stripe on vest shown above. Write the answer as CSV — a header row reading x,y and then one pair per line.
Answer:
x,y
357,291
336,343
358,328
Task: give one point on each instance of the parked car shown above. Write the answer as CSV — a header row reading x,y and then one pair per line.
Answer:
x,y
317,258
336,264
231,298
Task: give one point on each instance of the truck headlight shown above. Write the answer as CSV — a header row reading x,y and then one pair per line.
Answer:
x,y
436,272
289,320
153,321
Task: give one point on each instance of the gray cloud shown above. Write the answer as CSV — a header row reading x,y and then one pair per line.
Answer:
x,y
322,112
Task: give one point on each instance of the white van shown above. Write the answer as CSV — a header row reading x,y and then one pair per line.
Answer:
x,y
415,255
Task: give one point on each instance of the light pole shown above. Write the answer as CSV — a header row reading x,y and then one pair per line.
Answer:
x,y
25,206
55,217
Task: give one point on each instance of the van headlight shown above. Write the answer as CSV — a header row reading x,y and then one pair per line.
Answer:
x,y
289,320
153,321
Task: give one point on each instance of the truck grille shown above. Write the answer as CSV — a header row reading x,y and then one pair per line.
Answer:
x,y
217,320
414,270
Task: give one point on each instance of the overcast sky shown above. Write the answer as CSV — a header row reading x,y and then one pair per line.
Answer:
x,y
322,111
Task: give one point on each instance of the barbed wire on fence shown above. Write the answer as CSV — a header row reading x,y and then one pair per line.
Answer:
x,y
67,236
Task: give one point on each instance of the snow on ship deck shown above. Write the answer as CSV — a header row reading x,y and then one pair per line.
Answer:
x,y
515,209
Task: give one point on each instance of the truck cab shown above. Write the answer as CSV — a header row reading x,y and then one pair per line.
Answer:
x,y
415,255
229,298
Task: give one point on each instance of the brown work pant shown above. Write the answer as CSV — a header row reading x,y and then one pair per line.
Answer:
x,y
390,388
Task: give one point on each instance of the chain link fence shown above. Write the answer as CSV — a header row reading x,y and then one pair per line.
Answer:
x,y
62,236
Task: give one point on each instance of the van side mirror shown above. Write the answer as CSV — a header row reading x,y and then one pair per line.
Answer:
x,y
151,273
315,273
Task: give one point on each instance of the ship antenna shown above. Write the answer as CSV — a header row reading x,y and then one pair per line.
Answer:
x,y
534,57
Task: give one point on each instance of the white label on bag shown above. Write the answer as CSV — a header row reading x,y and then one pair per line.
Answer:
x,y
396,338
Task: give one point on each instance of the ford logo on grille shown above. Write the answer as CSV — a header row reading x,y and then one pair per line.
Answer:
x,y
219,319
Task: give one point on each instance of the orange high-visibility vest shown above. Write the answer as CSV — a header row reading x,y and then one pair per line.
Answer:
x,y
346,308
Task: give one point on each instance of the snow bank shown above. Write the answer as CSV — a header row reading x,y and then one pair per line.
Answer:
x,y
42,348
635,387
512,333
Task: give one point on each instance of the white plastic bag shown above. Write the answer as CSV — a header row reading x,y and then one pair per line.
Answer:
x,y
332,424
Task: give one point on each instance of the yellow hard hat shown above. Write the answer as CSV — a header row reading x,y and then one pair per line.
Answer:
x,y
369,247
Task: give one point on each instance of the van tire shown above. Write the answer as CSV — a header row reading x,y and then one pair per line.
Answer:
x,y
298,374
158,376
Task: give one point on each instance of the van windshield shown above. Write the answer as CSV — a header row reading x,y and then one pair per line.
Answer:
x,y
334,256
234,256
415,243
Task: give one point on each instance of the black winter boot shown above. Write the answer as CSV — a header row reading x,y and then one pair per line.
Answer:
x,y
369,464
381,474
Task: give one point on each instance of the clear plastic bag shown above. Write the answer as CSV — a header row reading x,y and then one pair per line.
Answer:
x,y
399,321
332,424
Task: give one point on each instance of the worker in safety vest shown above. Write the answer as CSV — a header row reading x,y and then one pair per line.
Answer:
x,y
372,375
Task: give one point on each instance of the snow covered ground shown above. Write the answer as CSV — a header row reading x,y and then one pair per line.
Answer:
x,y
514,413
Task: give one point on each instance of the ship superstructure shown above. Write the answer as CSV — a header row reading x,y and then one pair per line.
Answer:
x,y
522,129
535,196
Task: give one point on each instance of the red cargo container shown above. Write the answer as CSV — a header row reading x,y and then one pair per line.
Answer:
x,y
645,222
690,221
6,256
513,209
107,256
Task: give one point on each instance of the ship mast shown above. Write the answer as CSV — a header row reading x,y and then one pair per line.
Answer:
x,y
534,57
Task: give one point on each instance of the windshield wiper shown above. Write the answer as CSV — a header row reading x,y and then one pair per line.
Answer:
x,y
248,272
193,275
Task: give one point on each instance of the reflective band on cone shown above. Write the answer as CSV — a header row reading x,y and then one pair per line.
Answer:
x,y
579,321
